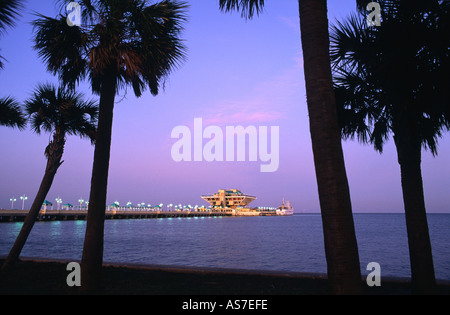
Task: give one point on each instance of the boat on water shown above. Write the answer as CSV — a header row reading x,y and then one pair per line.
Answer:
x,y
285,209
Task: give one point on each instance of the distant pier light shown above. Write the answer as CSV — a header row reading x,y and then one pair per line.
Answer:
x,y
81,200
23,198
12,200
58,203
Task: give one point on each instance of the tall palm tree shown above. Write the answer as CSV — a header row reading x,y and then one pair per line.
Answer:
x,y
9,9
62,113
339,233
395,84
120,43
10,113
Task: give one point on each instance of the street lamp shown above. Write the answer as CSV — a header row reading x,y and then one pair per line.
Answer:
x,y
59,202
12,202
23,198
81,202
87,205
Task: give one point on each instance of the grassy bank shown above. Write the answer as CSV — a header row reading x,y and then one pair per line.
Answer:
x,y
49,277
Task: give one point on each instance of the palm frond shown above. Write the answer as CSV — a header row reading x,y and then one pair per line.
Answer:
x,y
431,130
382,79
52,108
140,42
380,134
11,114
248,8
350,43
1,62
9,10
63,48
360,110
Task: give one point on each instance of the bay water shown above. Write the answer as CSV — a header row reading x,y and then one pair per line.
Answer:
x,y
291,243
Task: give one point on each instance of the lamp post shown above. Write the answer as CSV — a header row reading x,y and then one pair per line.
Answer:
x,y
23,198
58,202
12,202
81,202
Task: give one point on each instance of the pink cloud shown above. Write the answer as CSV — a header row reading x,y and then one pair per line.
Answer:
x,y
268,102
245,116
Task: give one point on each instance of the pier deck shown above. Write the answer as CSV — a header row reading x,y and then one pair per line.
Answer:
x,y
71,215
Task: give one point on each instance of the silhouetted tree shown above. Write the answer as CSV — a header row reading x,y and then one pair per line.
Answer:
x,y
121,43
339,233
394,79
62,113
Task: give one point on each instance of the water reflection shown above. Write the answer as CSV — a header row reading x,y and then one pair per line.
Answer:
x,y
293,244
55,229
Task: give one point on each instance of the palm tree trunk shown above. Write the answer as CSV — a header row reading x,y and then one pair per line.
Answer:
x,y
420,253
92,258
54,152
341,248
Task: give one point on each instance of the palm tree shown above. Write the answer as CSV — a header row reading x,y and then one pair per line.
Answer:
x,y
392,84
62,113
9,9
120,43
11,114
339,233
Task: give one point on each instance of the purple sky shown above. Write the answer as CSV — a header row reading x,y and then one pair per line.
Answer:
x,y
238,72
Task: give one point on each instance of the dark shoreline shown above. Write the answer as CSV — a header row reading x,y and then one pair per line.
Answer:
x,y
37,276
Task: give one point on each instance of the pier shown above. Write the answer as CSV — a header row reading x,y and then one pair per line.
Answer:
x,y
73,215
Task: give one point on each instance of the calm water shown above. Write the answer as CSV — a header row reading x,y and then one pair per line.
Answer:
x,y
269,243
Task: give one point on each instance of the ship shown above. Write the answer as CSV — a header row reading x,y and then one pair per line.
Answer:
x,y
285,209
